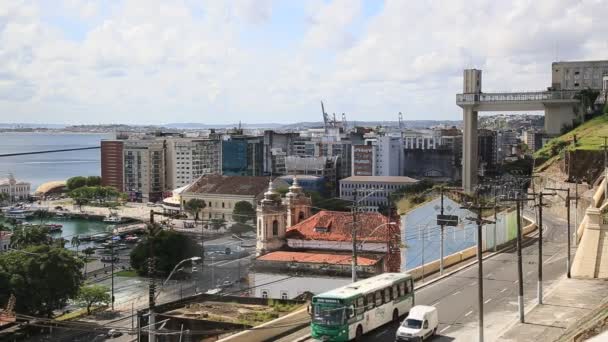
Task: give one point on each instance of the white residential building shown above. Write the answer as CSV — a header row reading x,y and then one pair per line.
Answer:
x,y
188,159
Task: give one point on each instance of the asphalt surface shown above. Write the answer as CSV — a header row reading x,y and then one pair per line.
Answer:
x,y
456,296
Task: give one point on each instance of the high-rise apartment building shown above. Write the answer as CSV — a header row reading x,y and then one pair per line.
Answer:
x,y
188,159
144,169
112,172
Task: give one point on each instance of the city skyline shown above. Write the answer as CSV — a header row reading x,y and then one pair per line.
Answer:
x,y
272,62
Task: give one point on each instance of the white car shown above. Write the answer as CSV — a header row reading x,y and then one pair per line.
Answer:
x,y
421,323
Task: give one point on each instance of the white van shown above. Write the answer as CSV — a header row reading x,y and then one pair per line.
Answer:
x,y
420,324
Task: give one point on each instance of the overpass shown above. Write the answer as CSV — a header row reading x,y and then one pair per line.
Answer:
x,y
559,107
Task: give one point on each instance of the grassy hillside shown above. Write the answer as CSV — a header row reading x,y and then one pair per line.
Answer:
x,y
588,137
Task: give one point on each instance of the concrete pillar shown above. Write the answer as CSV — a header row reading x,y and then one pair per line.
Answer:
x,y
469,149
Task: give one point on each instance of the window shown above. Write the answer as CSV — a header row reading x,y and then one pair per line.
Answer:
x,y
395,292
264,293
275,228
387,295
369,299
402,291
223,205
284,295
360,305
300,216
378,298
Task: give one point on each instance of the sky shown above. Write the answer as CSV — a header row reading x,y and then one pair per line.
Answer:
x,y
272,61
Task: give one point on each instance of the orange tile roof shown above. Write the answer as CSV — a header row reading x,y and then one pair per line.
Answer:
x,y
339,227
316,258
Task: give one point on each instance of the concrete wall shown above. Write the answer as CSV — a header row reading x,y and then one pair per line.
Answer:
x,y
453,259
556,116
272,329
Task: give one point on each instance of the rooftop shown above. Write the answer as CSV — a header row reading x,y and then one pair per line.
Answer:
x,y
5,235
228,185
48,186
337,226
380,179
317,258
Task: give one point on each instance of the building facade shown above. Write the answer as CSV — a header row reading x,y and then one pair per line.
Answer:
x,y
112,170
144,169
5,241
220,193
242,155
578,75
372,191
14,190
188,159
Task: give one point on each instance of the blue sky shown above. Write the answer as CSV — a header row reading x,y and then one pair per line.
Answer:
x,y
208,61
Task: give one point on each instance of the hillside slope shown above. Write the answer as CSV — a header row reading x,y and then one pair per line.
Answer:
x,y
589,136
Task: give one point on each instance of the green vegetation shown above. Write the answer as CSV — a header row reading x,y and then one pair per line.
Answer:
x,y
42,278
31,236
126,273
194,206
93,294
243,212
99,194
170,248
255,318
74,183
587,136
217,224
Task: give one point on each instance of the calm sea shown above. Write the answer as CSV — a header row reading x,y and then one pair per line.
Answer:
x,y
41,168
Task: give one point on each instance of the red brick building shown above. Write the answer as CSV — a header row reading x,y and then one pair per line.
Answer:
x,y
112,164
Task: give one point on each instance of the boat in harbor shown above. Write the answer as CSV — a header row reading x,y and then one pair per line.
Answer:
x,y
17,213
100,237
112,219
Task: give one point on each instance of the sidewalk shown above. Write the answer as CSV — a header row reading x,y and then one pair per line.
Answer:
x,y
563,307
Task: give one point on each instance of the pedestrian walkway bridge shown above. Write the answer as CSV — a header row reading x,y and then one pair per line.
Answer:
x,y
529,100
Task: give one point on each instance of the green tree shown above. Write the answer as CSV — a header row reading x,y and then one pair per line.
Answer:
x,y
76,182
81,196
93,294
42,278
31,236
217,224
87,252
243,212
75,242
333,204
240,228
194,206
3,197
93,181
169,247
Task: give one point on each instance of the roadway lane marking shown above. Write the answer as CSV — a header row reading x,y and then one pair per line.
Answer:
x,y
444,329
468,313
490,275
473,283
528,272
487,301
434,303
455,293
503,290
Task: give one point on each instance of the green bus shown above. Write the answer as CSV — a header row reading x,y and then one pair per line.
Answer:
x,y
350,311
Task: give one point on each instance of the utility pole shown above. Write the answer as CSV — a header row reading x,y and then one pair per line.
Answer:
x,y
112,265
355,208
519,202
568,199
442,238
480,221
540,245
152,285
495,219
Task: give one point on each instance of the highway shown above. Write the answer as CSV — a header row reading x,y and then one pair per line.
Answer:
x,y
456,296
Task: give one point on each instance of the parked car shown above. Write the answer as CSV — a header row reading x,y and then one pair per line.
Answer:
x,y
420,324
112,333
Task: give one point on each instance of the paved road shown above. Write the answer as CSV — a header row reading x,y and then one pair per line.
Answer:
x,y
456,296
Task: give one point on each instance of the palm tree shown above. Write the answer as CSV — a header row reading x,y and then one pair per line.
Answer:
x,y
87,252
75,242
41,215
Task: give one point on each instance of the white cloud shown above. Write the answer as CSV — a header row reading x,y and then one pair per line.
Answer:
x,y
159,61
